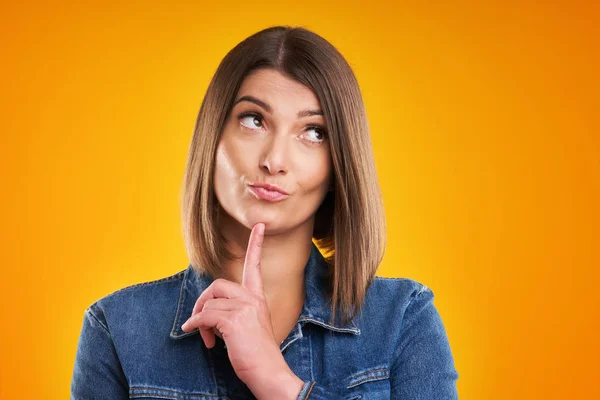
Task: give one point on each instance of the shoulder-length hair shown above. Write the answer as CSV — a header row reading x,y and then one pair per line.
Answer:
x,y
350,223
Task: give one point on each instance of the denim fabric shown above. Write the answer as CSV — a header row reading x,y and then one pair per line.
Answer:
x,y
132,346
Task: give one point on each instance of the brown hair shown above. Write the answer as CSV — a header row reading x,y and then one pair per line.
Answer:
x,y
350,223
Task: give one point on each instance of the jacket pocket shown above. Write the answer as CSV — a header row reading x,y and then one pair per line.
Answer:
x,y
369,384
156,393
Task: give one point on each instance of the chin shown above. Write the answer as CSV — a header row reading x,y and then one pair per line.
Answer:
x,y
269,219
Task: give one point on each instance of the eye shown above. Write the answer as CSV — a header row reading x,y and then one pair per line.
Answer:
x,y
318,135
250,120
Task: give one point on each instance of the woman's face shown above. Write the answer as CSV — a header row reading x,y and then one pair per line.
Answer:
x,y
275,134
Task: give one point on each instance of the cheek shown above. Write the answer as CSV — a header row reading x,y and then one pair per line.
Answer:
x,y
231,160
313,175
225,173
224,166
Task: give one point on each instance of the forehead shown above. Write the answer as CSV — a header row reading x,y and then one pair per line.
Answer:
x,y
278,90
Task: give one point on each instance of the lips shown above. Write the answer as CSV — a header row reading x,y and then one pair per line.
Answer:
x,y
264,192
267,186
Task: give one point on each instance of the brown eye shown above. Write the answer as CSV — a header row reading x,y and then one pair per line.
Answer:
x,y
251,121
318,135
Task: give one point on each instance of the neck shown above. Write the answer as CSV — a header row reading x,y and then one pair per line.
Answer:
x,y
283,259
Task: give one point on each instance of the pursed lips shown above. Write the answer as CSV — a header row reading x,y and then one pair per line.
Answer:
x,y
265,193
269,187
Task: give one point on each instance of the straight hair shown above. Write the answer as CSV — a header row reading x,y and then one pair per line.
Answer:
x,y
349,224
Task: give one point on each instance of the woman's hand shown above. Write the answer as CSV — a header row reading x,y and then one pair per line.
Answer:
x,y
240,315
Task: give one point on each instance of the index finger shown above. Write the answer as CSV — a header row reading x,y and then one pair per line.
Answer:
x,y
251,274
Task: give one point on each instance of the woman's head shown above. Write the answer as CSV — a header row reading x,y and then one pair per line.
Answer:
x,y
329,172
274,134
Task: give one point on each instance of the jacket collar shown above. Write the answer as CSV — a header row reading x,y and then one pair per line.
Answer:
x,y
316,309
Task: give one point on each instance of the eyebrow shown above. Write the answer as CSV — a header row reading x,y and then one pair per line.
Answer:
x,y
269,109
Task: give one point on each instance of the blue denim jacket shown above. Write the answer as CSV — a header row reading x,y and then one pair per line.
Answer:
x,y
132,346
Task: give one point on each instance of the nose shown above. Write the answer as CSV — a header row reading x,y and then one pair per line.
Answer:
x,y
274,158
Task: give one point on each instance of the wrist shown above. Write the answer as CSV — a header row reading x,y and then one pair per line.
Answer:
x,y
283,384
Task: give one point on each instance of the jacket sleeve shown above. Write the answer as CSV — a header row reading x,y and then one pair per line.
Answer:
x,y
97,373
313,391
423,364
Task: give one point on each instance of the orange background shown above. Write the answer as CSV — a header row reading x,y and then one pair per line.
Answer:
x,y
485,126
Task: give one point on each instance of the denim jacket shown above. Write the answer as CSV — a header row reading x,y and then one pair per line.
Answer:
x,y
131,345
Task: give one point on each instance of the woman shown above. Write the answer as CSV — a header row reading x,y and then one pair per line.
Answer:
x,y
281,155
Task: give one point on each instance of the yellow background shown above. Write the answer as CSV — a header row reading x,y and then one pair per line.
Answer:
x,y
484,120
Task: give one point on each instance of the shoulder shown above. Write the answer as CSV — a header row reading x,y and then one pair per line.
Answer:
x,y
389,301
404,309
404,287
139,300
394,291
143,289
